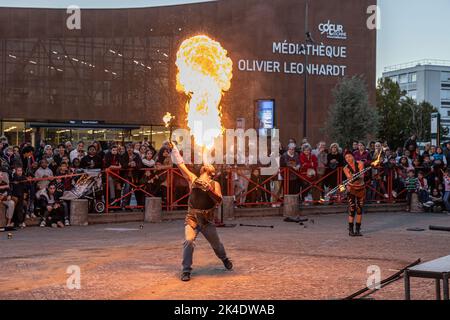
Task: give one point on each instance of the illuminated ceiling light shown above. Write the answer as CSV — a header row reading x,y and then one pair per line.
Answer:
x,y
166,55
149,68
112,51
151,29
76,60
33,62
10,129
55,52
179,29
142,64
137,62
114,73
106,70
119,54
59,70
12,56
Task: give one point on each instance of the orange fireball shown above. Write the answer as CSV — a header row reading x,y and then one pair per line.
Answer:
x,y
204,74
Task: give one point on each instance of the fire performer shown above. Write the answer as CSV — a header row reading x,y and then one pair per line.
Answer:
x,y
356,193
205,196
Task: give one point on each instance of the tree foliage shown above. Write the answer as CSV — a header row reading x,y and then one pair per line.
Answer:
x,y
351,117
400,116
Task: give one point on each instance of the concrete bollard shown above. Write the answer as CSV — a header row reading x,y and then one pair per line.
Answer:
x,y
290,207
227,208
415,204
2,216
153,210
79,209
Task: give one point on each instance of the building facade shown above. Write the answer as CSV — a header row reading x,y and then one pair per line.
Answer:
x,y
115,77
426,80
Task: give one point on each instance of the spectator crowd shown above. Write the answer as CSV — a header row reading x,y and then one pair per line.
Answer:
x,y
27,189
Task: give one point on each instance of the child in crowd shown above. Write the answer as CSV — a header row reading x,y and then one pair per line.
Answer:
x,y
412,185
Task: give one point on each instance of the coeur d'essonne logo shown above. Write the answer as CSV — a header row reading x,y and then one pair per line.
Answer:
x,y
333,31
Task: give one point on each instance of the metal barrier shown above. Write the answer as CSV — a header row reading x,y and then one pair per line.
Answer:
x,y
248,192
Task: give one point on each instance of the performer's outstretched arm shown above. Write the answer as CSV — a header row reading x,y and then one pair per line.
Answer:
x,y
178,160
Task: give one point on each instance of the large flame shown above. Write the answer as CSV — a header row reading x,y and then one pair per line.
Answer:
x,y
204,73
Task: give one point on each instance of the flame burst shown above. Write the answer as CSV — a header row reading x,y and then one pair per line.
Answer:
x,y
204,73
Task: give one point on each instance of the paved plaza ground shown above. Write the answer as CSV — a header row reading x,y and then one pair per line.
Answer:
x,y
123,261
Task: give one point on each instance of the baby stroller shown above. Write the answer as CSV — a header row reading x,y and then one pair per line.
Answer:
x,y
88,186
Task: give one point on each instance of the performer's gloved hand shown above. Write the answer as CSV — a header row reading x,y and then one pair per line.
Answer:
x,y
176,156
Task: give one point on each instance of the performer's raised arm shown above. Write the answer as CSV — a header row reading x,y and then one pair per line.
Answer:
x,y
178,160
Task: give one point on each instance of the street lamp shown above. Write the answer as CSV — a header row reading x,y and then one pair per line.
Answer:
x,y
308,40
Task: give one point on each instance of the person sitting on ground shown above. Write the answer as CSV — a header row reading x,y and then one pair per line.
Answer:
x,y
51,208
5,197
424,196
436,204
18,194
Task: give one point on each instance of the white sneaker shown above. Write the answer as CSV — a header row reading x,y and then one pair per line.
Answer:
x,y
23,225
67,223
386,196
27,216
43,224
33,216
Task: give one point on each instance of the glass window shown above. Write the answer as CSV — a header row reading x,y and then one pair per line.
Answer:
x,y
403,78
413,77
445,94
445,76
412,94
394,79
159,135
16,132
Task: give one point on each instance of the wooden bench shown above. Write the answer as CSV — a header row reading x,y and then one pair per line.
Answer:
x,y
438,269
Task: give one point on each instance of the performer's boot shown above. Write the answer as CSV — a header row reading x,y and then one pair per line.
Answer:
x,y
228,264
358,230
185,276
351,231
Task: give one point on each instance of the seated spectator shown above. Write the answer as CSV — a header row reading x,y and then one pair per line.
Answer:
x,y
43,172
18,194
424,195
436,203
5,197
51,208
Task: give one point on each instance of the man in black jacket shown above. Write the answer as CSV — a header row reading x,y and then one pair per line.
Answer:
x,y
92,160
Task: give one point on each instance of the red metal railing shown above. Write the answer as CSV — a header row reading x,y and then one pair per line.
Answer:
x,y
269,190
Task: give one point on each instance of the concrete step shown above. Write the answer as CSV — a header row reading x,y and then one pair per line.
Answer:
x,y
138,216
